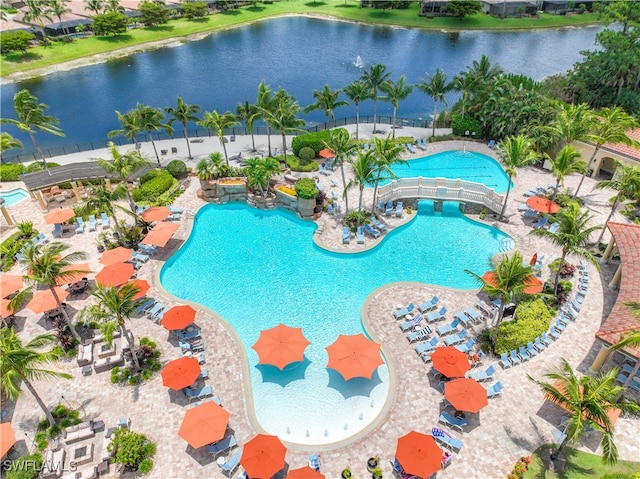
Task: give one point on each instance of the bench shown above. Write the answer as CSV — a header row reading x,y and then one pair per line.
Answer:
x,y
107,363
85,354
237,157
78,432
53,463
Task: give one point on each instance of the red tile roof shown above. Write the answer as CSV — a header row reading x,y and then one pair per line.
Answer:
x,y
621,320
624,149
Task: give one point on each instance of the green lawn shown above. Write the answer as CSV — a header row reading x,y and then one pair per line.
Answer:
x,y
580,465
40,57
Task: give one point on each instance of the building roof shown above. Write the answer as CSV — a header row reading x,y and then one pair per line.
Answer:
x,y
621,320
623,149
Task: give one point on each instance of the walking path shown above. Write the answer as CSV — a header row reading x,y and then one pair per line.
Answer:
x,y
511,426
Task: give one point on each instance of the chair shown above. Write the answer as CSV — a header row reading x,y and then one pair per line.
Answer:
x,y
531,350
330,210
204,374
399,209
231,464
223,445
323,170
554,228
491,144
431,304
524,355
463,318
513,357
80,225
447,440
411,148
504,361
419,335
105,220
427,348
450,328
437,316
389,210
450,420
466,347
546,340
155,310
400,313
495,390
145,306
412,323
57,230
191,345
421,145
456,338
92,223
379,226
360,235
539,345
198,393
369,230
139,257
186,335
175,210
541,222
485,308
146,249
473,314
483,375
124,423
346,235
314,462
382,206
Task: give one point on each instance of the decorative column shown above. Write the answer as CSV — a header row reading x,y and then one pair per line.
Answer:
x,y
616,278
608,251
601,358
41,202
76,191
6,215
107,183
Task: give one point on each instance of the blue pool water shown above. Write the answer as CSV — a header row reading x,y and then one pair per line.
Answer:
x,y
12,197
259,268
468,166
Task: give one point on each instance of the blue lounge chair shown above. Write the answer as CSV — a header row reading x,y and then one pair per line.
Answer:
x,y
473,314
139,257
399,313
412,323
80,225
463,318
330,210
531,349
421,145
105,220
199,393
365,147
546,340
314,462
324,171
427,348
456,338
513,357
155,310
429,305
485,375
369,230
57,230
187,335
204,374
531,192
541,222
419,335
450,420
466,347
524,355
491,144
382,207
437,315
377,225
554,228
146,249
360,235
145,306
232,463
389,209
399,209
346,235
175,210
450,328
42,239
411,148
223,445
92,223
495,390
447,440
505,362
539,345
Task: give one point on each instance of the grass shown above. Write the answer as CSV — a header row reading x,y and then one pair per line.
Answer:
x,y
58,52
580,465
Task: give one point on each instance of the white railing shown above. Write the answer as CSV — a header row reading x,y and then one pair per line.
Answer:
x,y
441,189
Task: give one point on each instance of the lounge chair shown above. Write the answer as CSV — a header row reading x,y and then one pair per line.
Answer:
x,y
427,348
531,192
194,345
223,445
447,440
382,206
365,147
324,171
389,210
330,210
399,209
514,358
539,345
436,316
231,464
421,145
187,335
419,335
541,222
346,235
402,312
155,310
485,308
523,353
410,324
57,230
105,220
429,305
495,390
369,230
146,249
139,257
546,340
531,349
377,225
505,362
456,338
491,144
450,420
485,375
199,393
463,318
80,225
554,228
450,328
175,210
314,462
145,306
411,148
473,314
92,223
204,374
360,235
42,238
466,347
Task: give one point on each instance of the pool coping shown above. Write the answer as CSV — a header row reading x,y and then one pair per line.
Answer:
x,y
11,191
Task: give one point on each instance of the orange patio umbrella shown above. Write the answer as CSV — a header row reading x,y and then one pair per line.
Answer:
x,y
466,394
116,255
450,362
281,346
5,311
180,373
612,413
327,153
10,283
115,274
59,216
142,285
418,454
7,438
354,356
82,269
156,213
263,456
543,205
160,234
533,284
204,424
44,301
178,317
304,473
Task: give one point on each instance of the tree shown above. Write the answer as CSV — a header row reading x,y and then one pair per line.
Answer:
x,y
32,118
626,13
386,154
587,400
17,40
131,127
374,78
212,120
357,92
462,8
572,123
109,23
363,174
150,119
509,283
23,363
327,101
94,6
37,12
514,153
436,87
192,9
153,13
395,93
102,199
113,6
626,180
572,236
260,171
58,8
184,113
266,105
124,165
343,148
567,161
284,117
8,142
249,114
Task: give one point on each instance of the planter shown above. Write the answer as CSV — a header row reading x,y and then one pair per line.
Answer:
x,y
346,474
372,463
306,207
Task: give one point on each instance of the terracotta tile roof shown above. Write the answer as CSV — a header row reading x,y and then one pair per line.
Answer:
x,y
621,320
624,149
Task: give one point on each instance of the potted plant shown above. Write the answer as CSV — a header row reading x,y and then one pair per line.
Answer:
x,y
376,473
346,473
372,463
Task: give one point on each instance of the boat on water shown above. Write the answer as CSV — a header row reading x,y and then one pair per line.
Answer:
x,y
358,63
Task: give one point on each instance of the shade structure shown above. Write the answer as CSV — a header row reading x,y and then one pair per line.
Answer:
x,y
59,216
450,362
304,473
7,438
178,317
44,301
281,346
612,413
418,454
142,285
354,356
156,213
533,285
82,269
5,311
180,373
326,153
116,255
160,234
263,456
10,283
466,394
115,274
204,424
543,205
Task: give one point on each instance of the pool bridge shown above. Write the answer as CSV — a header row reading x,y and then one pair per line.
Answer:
x,y
442,189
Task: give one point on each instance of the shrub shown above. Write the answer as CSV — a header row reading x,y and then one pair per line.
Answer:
x,y
25,467
146,375
152,189
41,440
149,175
145,466
531,319
11,172
315,141
568,269
306,188
306,154
460,125
177,168
296,165
351,220
39,166
130,448
563,199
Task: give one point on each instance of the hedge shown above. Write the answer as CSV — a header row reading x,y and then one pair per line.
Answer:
x,y
296,165
152,189
460,125
25,467
11,172
314,141
531,319
306,188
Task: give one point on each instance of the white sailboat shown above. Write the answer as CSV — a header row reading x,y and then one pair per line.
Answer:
x,y
358,63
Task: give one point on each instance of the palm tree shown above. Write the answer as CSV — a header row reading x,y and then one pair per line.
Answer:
x,y
38,11
213,120
32,118
567,161
58,8
124,165
483,70
612,127
572,123
396,92
131,127
115,306
94,6
343,148
184,113
113,6
22,364
572,236
260,171
102,199
357,92
374,78
326,100
150,119
386,154
588,400
8,142
284,117
436,87
626,180
363,174
511,276
266,105
249,114
514,152
48,267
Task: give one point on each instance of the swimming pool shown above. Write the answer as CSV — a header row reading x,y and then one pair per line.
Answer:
x,y
14,196
465,165
259,268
